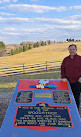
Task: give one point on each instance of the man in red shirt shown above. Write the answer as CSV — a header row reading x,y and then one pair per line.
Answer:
x,y
71,71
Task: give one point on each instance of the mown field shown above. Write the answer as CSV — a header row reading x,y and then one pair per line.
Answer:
x,y
52,52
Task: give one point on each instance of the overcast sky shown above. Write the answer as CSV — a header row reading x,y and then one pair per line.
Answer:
x,y
35,20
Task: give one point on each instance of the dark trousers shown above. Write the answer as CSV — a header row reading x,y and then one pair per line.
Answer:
x,y
76,89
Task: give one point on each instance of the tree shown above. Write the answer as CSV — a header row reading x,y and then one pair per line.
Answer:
x,y
34,45
20,49
29,47
2,48
12,52
37,44
69,40
2,45
16,50
2,52
49,42
42,43
24,48
45,43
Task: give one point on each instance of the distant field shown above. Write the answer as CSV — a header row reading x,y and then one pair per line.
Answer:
x,y
52,52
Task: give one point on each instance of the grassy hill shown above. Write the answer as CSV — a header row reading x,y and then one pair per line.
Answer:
x,y
52,52
11,46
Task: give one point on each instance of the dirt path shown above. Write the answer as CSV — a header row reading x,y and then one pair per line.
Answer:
x,y
5,100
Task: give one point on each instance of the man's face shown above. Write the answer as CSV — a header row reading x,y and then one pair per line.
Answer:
x,y
72,50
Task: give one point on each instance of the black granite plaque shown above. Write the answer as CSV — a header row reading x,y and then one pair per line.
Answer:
x,y
61,97
24,97
43,115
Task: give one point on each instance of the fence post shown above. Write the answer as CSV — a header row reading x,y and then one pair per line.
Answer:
x,y
23,69
46,65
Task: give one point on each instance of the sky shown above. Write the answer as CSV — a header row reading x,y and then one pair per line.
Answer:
x,y
35,20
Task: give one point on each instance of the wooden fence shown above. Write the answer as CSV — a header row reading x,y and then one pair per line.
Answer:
x,y
27,69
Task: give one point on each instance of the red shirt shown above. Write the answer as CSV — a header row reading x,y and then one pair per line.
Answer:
x,y
71,68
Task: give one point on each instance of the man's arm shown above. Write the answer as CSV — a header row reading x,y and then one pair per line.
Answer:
x,y
63,69
79,80
64,79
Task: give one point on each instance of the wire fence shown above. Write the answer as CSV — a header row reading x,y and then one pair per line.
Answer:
x,y
27,69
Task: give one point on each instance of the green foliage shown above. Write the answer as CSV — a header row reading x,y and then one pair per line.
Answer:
x,y
12,52
36,44
16,51
42,43
2,52
24,48
29,47
2,45
49,42
20,49
69,40
2,48
45,43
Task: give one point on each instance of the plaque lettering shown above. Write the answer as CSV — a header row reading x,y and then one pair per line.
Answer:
x,y
43,115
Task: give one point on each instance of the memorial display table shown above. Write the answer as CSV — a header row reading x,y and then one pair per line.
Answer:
x,y
42,108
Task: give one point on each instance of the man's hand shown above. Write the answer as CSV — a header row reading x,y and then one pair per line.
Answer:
x,y
79,80
64,79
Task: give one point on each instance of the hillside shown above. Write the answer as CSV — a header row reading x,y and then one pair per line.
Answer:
x,y
52,52
11,46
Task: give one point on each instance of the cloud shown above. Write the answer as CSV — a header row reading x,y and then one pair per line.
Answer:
x,y
14,20
34,0
38,20
6,14
75,17
33,8
40,30
36,8
20,31
11,34
7,1
15,0
75,7
10,29
57,20
3,1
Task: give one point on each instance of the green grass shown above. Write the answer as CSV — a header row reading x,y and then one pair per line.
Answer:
x,y
8,84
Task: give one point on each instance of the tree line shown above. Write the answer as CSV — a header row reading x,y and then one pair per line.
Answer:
x,y
71,40
24,46
19,49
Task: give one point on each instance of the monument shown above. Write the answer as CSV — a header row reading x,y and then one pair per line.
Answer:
x,y
42,108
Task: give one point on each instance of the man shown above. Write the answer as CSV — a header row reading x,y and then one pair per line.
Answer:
x,y
71,71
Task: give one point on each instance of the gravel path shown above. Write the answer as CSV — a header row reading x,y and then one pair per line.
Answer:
x,y
5,100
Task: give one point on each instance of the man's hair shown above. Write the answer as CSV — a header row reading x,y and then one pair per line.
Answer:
x,y
73,45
